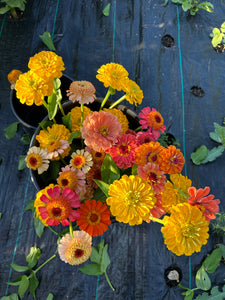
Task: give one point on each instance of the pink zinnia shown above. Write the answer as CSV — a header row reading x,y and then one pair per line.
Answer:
x,y
155,177
152,119
100,130
123,152
59,206
207,204
81,91
158,210
147,137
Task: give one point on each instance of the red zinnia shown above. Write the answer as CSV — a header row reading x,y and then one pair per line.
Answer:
x,y
207,204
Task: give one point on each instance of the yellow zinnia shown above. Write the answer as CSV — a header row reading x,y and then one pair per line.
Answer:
x,y
134,94
47,64
31,89
121,118
113,75
75,114
186,230
175,192
131,199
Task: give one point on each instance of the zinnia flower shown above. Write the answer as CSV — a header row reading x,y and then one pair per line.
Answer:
x,y
175,192
13,76
206,203
113,75
148,153
123,152
81,91
157,211
97,157
144,137
94,217
155,177
121,118
134,94
152,119
81,160
75,250
131,199
47,65
100,130
55,140
58,206
171,160
186,230
94,173
36,159
31,89
75,114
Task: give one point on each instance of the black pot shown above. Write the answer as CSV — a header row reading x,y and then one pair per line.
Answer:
x,y
31,116
38,180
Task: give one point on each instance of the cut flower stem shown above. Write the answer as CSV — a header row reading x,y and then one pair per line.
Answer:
x,y
156,220
107,278
118,101
105,99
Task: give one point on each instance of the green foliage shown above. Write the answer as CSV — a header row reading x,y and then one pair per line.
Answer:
x,y
25,139
67,121
54,99
10,297
109,170
203,155
218,224
202,279
38,225
11,130
50,296
11,5
22,163
218,35
215,294
193,5
106,10
47,40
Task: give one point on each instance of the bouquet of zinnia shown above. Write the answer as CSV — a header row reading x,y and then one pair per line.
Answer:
x,y
96,166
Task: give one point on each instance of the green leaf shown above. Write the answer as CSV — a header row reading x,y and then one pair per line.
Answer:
x,y
39,227
47,40
106,10
91,269
24,284
44,125
16,281
50,296
19,268
22,163
0,215
67,121
33,256
188,295
95,257
34,283
211,263
4,9
220,131
222,248
10,297
30,206
109,170
17,3
11,130
222,28
103,186
202,280
105,262
199,155
213,154
165,3
215,294
57,83
134,169
73,136
52,106
26,138
100,247
99,195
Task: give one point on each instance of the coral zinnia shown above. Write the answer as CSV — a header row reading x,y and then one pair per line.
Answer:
x,y
186,230
94,217
75,114
58,206
121,118
81,91
75,250
206,203
100,130
155,177
134,94
51,139
123,152
13,76
152,119
36,159
171,160
175,192
157,211
81,160
113,75
131,199
148,152
47,65
31,89
144,137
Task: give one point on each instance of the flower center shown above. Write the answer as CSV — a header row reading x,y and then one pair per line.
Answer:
x,y
64,182
104,130
56,211
189,230
53,145
175,160
34,161
78,161
152,177
78,253
94,218
152,157
124,149
132,198
158,119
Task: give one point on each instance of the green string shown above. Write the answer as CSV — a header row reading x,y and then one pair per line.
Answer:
x,y
183,117
3,22
56,11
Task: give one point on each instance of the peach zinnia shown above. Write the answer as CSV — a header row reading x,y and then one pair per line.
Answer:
x,y
94,217
100,130
81,91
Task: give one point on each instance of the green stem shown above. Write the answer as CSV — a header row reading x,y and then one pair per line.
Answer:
x,y
13,12
45,104
156,220
54,231
71,229
105,99
61,108
60,156
41,266
137,129
82,115
118,101
107,278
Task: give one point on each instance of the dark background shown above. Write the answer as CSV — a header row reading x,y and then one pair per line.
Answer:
x,y
86,39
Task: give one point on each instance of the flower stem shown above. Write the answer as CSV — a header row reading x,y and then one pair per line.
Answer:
x,y
138,128
107,278
61,108
60,156
156,220
82,115
105,99
54,231
41,266
118,101
71,229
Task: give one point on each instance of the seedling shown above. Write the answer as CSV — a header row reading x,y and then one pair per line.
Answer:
x,y
218,36
193,5
12,5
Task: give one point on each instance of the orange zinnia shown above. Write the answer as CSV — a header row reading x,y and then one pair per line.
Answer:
x,y
148,152
171,160
94,217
